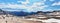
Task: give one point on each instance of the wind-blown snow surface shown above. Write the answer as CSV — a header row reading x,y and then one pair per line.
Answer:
x,y
29,5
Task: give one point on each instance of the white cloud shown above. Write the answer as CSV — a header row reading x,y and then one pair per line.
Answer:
x,y
56,3
39,3
37,6
26,2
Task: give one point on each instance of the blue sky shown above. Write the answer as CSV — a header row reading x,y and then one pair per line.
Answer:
x,y
29,5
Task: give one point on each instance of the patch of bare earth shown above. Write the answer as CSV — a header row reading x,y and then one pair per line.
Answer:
x,y
14,19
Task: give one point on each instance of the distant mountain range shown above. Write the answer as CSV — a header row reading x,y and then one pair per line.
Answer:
x,y
22,13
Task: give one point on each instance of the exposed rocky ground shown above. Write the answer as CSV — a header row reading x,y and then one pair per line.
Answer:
x,y
15,19
40,17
